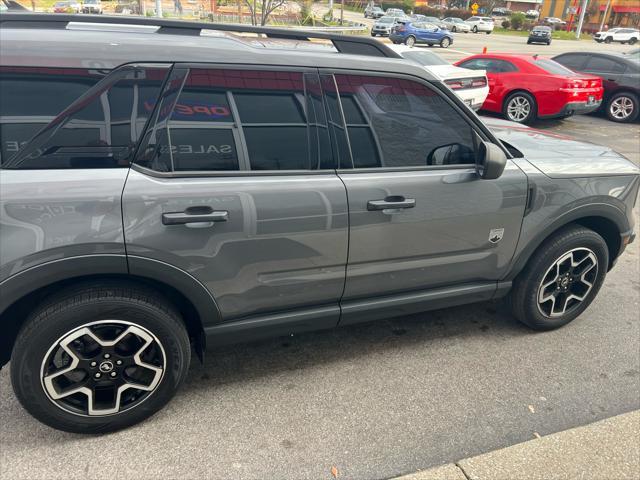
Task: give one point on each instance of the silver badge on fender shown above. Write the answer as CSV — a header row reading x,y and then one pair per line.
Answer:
x,y
496,234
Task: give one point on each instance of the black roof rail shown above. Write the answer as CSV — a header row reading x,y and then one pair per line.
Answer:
x,y
349,44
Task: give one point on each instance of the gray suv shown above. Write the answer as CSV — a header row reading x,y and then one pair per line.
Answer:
x,y
165,189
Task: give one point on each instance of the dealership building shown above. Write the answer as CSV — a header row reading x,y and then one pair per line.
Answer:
x,y
616,13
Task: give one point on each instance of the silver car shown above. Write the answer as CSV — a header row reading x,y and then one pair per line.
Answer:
x,y
455,24
185,190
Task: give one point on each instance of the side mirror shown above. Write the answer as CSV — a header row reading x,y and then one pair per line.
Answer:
x,y
491,161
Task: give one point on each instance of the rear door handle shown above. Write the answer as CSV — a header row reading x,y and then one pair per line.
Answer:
x,y
391,203
195,215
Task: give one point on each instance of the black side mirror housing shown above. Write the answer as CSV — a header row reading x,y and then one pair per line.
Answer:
x,y
491,161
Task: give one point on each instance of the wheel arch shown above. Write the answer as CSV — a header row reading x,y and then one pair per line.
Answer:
x,y
22,292
508,93
607,221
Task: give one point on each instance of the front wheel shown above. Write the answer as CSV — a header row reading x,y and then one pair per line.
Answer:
x,y
488,33
561,279
410,41
475,29
608,40
100,357
519,107
633,41
445,42
453,29
623,107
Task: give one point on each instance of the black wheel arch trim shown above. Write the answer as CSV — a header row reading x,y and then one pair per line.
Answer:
x,y
602,210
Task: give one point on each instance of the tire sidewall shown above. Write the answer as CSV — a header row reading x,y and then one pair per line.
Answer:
x,y
540,265
26,363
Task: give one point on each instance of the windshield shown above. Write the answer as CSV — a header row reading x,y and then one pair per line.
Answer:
x,y
424,58
552,67
430,19
61,4
386,20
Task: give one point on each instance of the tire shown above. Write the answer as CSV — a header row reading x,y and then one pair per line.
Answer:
x,y
488,33
410,41
475,29
549,43
155,353
608,40
623,107
445,42
453,29
580,246
524,114
373,34
429,45
528,42
633,41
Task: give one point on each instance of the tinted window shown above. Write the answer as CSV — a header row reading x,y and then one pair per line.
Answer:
x,y
424,58
573,61
400,123
282,124
604,65
30,98
552,67
100,129
491,65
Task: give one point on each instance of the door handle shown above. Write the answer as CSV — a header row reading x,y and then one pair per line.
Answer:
x,y
389,203
195,215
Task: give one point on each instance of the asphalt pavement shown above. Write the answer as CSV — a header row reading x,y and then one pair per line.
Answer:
x,y
375,400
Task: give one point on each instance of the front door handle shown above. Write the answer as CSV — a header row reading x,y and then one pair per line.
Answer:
x,y
391,203
195,215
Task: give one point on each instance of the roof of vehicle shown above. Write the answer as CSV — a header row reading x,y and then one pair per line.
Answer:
x,y
617,55
94,44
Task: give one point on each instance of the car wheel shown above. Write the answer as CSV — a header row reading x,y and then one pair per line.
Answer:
x,y
453,29
429,45
633,41
528,42
488,33
445,42
561,279
99,358
623,107
373,34
549,42
410,41
475,29
608,40
519,107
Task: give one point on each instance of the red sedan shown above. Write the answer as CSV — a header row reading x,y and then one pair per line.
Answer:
x,y
526,87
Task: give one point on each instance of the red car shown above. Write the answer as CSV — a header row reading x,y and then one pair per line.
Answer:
x,y
526,87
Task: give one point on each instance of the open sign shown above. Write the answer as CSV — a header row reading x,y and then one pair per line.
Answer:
x,y
196,111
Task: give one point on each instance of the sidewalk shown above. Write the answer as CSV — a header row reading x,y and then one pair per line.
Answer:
x,y
608,449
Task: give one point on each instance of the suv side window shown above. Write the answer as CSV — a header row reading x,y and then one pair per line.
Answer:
x,y
31,97
101,128
394,122
226,120
603,65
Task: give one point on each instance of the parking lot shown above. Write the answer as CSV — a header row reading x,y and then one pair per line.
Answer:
x,y
374,400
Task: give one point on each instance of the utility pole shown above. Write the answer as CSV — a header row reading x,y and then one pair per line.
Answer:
x,y
331,6
583,10
604,17
341,12
159,8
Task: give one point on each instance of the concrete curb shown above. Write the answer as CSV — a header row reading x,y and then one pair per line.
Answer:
x,y
608,449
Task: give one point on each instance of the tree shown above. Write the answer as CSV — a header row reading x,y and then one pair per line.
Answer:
x,y
261,9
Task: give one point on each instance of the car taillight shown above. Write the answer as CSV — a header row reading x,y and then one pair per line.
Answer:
x,y
454,84
478,82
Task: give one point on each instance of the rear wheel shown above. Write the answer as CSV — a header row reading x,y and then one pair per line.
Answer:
x,y
453,29
99,358
475,29
561,279
623,107
519,107
410,41
445,42
633,41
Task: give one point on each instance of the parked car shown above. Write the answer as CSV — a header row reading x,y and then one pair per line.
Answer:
x,y
500,12
161,200
553,21
69,6
373,12
622,35
620,76
470,85
527,87
480,24
92,6
395,12
433,20
411,33
455,24
540,34
383,25
532,14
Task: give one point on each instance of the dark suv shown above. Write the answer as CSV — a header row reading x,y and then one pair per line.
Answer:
x,y
164,190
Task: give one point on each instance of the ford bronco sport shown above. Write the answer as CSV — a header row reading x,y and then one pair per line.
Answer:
x,y
169,186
